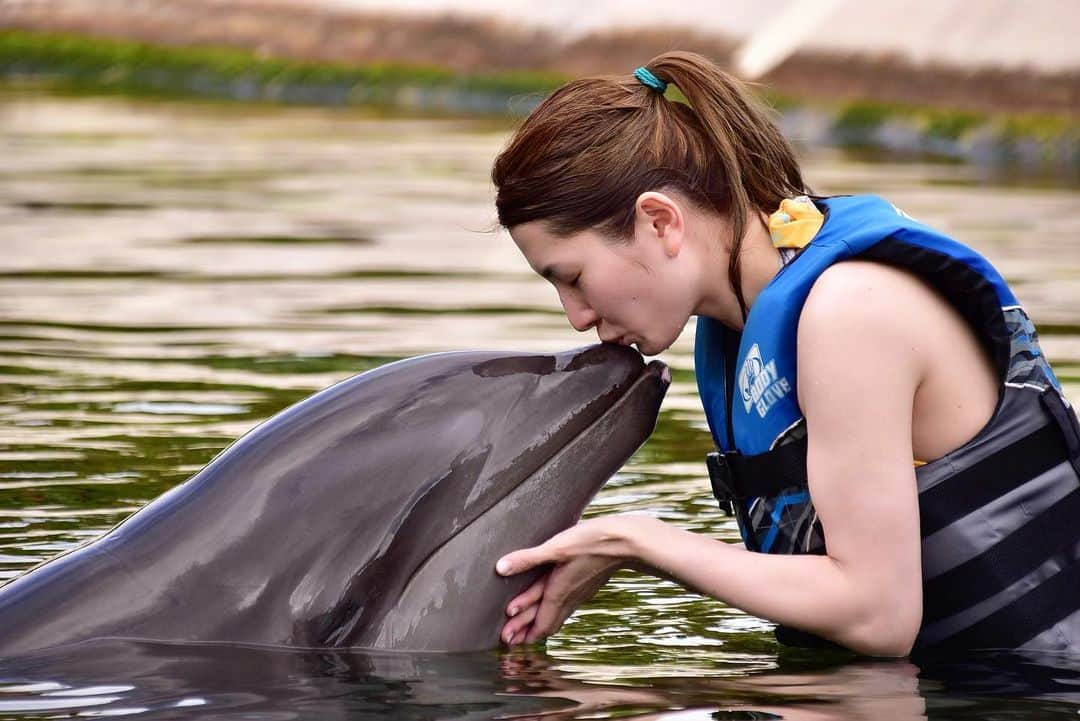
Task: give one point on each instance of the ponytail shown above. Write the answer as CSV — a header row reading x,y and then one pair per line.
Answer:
x,y
757,159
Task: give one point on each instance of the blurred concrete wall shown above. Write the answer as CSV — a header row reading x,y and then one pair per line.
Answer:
x,y
1008,34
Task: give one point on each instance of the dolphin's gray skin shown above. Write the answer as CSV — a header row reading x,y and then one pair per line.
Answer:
x,y
370,514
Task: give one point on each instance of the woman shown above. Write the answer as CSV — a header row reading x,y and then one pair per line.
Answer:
x,y
838,340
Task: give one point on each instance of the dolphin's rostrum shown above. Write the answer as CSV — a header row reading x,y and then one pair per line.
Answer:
x,y
370,514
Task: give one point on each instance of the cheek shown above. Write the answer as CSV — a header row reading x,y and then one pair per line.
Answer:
x,y
668,310
633,297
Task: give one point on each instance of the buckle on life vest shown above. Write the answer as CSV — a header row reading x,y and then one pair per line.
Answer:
x,y
720,478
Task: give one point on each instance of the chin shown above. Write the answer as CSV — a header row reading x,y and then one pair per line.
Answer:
x,y
648,348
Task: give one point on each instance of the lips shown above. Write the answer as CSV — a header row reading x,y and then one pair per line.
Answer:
x,y
620,340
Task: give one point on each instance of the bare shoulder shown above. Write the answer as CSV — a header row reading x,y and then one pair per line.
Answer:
x,y
863,301
866,323
856,288
871,331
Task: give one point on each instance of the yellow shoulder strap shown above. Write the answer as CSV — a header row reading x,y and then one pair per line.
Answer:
x,y
796,223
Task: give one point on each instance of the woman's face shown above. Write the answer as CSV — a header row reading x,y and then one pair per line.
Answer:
x,y
637,292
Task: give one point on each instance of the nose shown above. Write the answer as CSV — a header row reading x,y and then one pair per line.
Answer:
x,y
578,312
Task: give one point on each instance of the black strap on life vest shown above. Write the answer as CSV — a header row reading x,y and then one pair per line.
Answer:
x,y
1050,533
1019,622
735,477
990,478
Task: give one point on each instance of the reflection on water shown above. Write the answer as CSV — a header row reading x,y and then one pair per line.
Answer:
x,y
174,273
120,677
218,681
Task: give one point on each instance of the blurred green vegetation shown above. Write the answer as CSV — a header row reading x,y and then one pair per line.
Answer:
x,y
863,123
951,126
867,115
100,65
859,118
111,65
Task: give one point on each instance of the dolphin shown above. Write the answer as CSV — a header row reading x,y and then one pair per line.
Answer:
x,y
368,515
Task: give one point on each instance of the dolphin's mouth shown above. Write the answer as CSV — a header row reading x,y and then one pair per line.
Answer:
x,y
652,380
659,370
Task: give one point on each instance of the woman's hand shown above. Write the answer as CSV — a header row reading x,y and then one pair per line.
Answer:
x,y
584,557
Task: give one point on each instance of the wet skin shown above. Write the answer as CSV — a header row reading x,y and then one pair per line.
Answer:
x,y
370,514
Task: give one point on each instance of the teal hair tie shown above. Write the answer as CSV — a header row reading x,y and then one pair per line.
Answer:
x,y
649,80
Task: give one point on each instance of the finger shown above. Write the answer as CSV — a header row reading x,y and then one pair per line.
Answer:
x,y
519,623
535,633
529,597
518,638
556,605
541,628
532,635
514,638
522,560
552,550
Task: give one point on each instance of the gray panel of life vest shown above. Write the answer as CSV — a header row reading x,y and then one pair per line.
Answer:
x,y
966,539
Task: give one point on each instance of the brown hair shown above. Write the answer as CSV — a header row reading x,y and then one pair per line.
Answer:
x,y
584,155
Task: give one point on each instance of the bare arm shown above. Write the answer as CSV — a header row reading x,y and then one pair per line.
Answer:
x,y
859,370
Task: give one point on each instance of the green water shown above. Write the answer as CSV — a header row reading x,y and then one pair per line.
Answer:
x,y
174,273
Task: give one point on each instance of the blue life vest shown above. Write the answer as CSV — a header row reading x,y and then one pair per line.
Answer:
x,y
1000,537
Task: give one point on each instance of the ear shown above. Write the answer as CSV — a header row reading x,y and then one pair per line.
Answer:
x,y
659,217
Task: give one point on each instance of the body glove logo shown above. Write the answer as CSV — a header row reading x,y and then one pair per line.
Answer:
x,y
759,383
